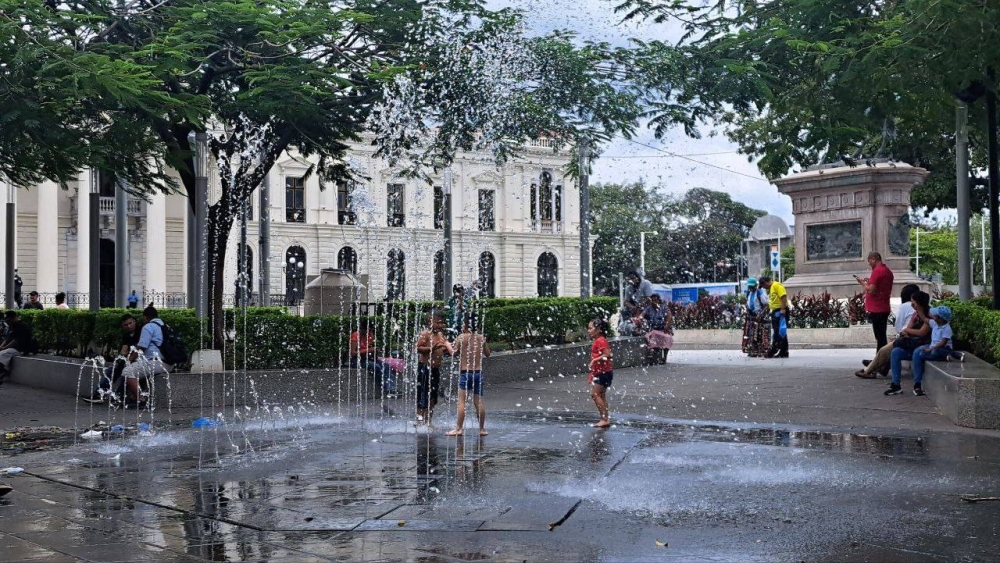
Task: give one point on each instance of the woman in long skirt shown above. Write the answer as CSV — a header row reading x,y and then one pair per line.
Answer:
x,y
757,328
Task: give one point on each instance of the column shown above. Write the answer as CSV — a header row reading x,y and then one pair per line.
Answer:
x,y
156,244
84,181
3,230
48,237
123,279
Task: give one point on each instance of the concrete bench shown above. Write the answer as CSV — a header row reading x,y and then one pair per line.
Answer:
x,y
54,373
966,392
73,376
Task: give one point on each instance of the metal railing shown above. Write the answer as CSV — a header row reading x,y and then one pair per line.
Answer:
x,y
108,206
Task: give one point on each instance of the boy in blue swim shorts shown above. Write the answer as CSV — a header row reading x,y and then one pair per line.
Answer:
x,y
471,347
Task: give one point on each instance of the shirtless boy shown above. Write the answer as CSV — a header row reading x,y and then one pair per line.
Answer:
x,y
471,347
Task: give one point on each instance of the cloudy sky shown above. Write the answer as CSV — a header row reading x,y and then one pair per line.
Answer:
x,y
713,162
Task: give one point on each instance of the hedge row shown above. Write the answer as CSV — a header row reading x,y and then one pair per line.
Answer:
x,y
268,338
69,332
976,327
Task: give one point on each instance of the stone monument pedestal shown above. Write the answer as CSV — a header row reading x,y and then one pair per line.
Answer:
x,y
841,214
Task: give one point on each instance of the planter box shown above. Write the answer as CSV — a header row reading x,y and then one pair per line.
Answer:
x,y
858,336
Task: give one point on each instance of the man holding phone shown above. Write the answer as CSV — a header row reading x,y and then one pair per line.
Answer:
x,y
877,289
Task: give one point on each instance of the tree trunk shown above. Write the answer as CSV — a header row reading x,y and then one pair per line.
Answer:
x,y
220,223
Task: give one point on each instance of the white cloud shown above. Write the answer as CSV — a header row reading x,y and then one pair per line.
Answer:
x,y
723,170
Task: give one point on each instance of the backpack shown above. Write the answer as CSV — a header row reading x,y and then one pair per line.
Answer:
x,y
172,350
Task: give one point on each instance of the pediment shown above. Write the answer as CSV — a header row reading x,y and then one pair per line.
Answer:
x,y
489,177
293,163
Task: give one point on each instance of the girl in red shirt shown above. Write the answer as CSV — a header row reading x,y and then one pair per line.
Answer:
x,y
601,373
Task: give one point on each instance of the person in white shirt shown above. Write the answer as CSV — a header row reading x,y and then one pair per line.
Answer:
x,y
61,301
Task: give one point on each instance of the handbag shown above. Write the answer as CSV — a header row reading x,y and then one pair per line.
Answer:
x,y
783,327
908,343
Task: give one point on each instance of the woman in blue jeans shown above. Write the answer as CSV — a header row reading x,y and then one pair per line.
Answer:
x,y
938,349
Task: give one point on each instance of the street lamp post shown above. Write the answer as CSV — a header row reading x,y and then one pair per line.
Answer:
x,y
585,257
201,222
95,240
11,248
642,249
446,205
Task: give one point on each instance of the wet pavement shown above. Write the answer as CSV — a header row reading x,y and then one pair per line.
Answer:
x,y
543,486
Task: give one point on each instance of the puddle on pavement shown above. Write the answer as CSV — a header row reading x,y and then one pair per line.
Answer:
x,y
200,499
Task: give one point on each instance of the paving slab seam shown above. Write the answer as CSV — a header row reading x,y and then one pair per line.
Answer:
x,y
146,502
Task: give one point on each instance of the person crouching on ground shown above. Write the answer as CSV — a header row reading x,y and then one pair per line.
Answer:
x,y
601,369
363,356
658,338
111,383
432,344
146,361
939,349
471,347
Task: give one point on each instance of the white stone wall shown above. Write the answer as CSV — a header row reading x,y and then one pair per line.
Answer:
x,y
514,245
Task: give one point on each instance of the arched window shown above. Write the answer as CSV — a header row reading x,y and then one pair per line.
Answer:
x,y
487,275
439,275
395,276
295,275
347,259
548,275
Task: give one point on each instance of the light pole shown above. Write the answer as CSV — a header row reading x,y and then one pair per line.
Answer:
x,y
10,247
446,205
642,249
95,240
201,222
585,266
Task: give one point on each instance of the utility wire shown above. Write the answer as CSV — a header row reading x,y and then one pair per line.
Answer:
x,y
685,157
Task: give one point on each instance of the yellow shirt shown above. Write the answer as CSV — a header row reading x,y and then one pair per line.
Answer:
x,y
775,294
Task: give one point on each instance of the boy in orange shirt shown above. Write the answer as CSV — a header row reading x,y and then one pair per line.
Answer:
x,y
471,348
601,374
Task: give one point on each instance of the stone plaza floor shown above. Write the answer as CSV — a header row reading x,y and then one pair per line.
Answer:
x,y
714,457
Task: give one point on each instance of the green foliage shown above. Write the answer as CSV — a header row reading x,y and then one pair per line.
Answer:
x,y
269,338
698,234
799,83
976,327
68,332
938,252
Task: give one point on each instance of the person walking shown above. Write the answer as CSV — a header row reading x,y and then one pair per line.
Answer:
x,y
877,289
777,302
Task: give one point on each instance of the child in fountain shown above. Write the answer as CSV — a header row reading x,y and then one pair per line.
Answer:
x,y
601,373
431,348
471,347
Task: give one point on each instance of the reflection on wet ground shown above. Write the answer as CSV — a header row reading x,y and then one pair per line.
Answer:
x,y
534,489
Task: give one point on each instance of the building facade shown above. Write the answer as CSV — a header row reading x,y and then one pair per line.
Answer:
x,y
515,230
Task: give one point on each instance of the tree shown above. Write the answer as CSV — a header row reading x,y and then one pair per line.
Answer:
x,y
267,76
702,239
618,213
698,238
799,83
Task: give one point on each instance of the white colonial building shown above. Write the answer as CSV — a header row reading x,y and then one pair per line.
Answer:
x,y
516,229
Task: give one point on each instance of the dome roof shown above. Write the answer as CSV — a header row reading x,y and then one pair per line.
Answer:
x,y
769,226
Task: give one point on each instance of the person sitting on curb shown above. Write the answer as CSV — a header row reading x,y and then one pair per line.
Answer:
x,y
146,361
912,332
937,350
18,342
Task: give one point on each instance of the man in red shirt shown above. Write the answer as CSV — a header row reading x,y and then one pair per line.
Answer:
x,y
878,289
